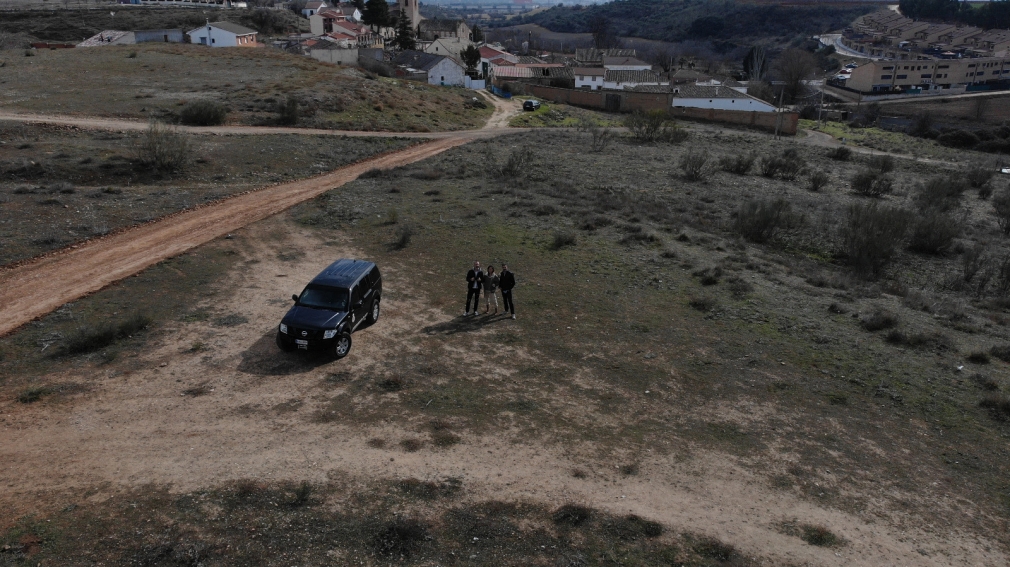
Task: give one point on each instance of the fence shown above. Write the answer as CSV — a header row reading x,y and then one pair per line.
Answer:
x,y
619,101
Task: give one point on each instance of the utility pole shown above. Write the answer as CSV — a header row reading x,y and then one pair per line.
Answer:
x,y
778,119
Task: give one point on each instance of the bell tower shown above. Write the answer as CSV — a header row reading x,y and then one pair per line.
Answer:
x,y
412,9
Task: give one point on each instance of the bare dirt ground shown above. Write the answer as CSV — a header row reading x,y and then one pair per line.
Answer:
x,y
138,429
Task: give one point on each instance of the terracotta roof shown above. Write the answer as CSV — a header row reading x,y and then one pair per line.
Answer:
x,y
490,52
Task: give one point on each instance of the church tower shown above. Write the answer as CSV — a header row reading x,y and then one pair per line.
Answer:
x,y
412,9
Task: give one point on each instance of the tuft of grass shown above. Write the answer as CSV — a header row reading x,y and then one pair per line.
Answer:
x,y
879,320
629,469
579,473
33,395
302,494
978,357
444,438
998,406
711,548
841,153
702,303
562,238
203,113
428,174
819,536
985,382
572,515
430,490
393,383
411,445
88,340
404,234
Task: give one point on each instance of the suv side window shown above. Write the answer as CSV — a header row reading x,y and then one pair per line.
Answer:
x,y
373,276
356,294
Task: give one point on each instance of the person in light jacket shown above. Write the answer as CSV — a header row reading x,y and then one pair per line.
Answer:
x,y
474,281
507,281
490,289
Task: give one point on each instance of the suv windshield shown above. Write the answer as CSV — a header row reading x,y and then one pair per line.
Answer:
x,y
323,297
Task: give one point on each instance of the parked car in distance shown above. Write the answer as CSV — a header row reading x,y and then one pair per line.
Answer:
x,y
531,104
331,307
851,66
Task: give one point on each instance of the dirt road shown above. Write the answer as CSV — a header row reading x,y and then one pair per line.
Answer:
x,y
33,289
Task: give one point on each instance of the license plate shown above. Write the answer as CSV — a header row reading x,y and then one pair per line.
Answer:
x,y
302,344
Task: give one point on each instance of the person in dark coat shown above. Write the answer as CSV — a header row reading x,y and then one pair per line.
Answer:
x,y
507,281
474,283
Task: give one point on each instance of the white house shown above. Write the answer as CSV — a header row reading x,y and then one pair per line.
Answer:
x,y
625,64
449,46
620,80
438,69
718,98
589,77
313,8
223,34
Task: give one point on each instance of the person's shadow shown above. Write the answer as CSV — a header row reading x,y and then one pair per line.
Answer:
x,y
462,324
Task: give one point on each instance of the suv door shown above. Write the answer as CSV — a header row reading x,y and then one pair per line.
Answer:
x,y
360,304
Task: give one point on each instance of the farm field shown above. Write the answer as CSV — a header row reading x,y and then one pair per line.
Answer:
x,y
61,185
675,389
153,82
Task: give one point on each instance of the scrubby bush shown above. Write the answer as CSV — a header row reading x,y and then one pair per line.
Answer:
x,y
840,153
962,139
563,238
933,231
881,163
787,166
978,175
942,193
404,234
759,221
998,406
1001,207
870,183
817,180
739,164
203,113
516,166
163,149
694,164
654,126
994,146
879,320
97,337
287,111
870,235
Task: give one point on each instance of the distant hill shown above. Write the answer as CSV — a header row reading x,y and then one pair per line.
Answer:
x,y
680,20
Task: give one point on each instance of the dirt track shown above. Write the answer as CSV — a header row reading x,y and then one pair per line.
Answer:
x,y
40,286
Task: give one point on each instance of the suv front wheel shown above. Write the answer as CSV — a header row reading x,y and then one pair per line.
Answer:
x,y
342,345
373,314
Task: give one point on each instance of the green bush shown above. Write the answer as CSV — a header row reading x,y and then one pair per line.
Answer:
x,y
1001,207
942,193
787,166
871,234
841,153
287,111
881,163
978,174
817,180
962,139
203,113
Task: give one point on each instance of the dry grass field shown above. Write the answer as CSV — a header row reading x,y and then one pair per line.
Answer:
x,y
708,368
62,185
156,81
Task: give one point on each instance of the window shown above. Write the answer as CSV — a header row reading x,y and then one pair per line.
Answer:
x,y
888,68
902,76
944,67
884,77
927,75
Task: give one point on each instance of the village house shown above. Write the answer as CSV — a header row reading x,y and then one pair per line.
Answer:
x,y
594,57
589,77
223,34
430,30
450,46
717,98
313,8
322,22
433,69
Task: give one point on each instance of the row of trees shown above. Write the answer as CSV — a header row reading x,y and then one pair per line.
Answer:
x,y
988,15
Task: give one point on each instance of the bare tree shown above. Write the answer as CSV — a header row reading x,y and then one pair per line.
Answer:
x,y
603,34
793,67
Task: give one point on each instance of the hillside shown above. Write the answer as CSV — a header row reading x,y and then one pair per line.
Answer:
x,y
680,20
75,25
157,80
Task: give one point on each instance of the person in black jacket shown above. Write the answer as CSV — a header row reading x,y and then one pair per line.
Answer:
x,y
474,283
507,281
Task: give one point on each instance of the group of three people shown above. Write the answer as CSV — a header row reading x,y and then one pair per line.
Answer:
x,y
490,282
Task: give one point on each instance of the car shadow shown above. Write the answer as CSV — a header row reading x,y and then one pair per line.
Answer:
x,y
463,324
264,358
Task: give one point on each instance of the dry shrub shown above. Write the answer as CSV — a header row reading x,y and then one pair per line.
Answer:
x,y
654,126
998,406
871,234
760,221
739,164
879,320
881,164
943,193
572,515
563,238
817,180
934,231
871,183
399,538
163,148
203,113
788,166
694,164
841,153
1001,207
978,174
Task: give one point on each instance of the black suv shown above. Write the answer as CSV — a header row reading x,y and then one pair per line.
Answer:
x,y
531,105
331,307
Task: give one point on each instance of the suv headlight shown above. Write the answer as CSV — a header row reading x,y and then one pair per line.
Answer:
x,y
329,334
284,328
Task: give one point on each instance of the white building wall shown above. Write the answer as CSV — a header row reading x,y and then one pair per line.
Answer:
x,y
447,72
213,38
593,82
747,103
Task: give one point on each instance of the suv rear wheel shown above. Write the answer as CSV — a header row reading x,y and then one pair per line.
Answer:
x,y
342,346
373,315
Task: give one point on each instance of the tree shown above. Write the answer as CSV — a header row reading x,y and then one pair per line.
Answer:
x,y
793,67
404,32
755,64
603,35
477,34
471,58
376,13
360,5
